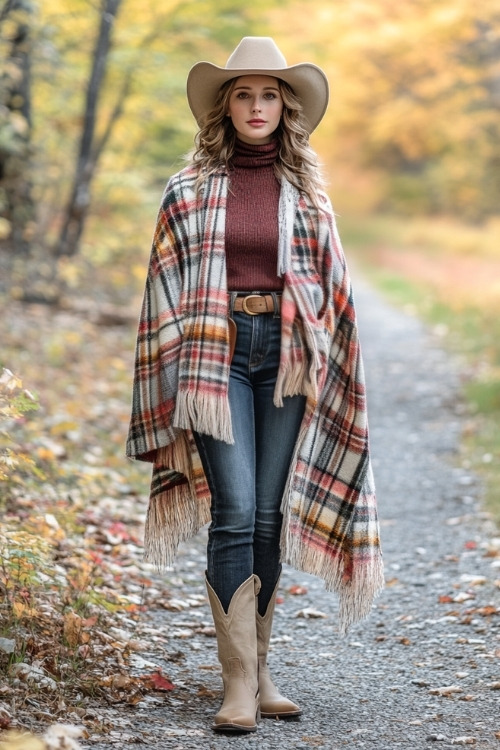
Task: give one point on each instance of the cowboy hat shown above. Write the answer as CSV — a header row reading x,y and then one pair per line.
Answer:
x,y
259,55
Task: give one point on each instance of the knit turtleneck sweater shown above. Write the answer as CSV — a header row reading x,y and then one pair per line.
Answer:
x,y
252,219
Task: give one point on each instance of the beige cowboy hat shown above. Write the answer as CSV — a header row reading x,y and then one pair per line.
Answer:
x,y
259,55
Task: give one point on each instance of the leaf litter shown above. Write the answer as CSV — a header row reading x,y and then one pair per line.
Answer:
x,y
75,645
74,589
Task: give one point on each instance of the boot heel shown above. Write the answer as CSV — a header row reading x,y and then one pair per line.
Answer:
x,y
272,703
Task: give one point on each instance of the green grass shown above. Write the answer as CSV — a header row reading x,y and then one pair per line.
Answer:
x,y
471,331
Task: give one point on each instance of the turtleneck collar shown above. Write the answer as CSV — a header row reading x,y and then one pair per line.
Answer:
x,y
250,155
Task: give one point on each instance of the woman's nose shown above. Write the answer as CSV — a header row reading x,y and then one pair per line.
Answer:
x,y
256,106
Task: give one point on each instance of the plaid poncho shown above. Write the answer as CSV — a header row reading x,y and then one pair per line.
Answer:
x,y
330,525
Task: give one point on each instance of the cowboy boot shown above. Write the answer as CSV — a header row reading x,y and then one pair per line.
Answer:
x,y
272,703
237,650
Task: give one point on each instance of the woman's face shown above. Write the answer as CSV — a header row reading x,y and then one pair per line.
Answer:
x,y
255,108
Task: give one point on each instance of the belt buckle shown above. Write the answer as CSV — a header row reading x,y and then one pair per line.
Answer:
x,y
244,303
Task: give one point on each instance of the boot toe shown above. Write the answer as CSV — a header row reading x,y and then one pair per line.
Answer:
x,y
234,723
280,708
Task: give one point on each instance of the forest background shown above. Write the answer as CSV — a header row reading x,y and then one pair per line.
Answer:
x,y
94,119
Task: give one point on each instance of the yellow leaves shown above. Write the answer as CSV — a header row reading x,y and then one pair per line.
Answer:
x,y
21,741
45,454
404,123
412,98
9,382
72,629
20,610
70,271
10,25
22,563
9,462
81,577
46,527
57,737
15,402
61,345
128,689
5,228
63,427
18,123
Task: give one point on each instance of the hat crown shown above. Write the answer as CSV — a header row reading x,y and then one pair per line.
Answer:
x,y
256,52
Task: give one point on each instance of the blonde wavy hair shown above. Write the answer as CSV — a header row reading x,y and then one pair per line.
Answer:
x,y
296,160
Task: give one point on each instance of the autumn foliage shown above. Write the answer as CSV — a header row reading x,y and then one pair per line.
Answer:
x,y
412,130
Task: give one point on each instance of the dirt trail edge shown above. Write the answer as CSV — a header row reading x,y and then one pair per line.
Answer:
x,y
424,670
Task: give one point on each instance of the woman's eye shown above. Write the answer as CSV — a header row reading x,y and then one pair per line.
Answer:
x,y
270,95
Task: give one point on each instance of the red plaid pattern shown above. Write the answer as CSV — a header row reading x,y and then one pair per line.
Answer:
x,y
330,525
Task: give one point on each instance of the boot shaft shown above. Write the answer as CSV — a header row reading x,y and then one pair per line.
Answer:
x,y
236,632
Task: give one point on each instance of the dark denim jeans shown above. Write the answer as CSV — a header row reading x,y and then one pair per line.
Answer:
x,y
247,479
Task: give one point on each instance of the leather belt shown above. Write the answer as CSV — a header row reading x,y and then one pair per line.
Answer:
x,y
256,304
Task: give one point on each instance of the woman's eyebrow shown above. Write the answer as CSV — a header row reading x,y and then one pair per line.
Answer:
x,y
249,88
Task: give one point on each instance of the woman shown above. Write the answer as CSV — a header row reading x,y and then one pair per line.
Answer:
x,y
249,391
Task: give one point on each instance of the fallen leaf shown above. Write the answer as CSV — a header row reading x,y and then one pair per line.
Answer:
x,y
446,691
207,630
84,651
204,692
310,613
138,662
5,718
21,741
473,580
72,628
487,611
464,741
463,596
403,640
297,590
392,582
122,682
181,633
63,737
23,610
157,681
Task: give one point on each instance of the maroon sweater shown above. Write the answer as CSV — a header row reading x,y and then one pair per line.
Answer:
x,y
252,220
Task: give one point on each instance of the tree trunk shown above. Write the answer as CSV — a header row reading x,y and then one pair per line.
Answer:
x,y
16,201
78,206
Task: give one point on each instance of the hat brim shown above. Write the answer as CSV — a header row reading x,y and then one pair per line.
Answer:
x,y
307,80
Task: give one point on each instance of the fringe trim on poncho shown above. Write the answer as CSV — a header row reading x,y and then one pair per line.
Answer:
x,y
179,503
354,574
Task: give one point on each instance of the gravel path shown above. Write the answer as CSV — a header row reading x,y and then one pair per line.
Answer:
x,y
424,670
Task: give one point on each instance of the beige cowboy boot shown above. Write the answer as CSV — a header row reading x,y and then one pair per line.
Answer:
x,y
272,703
237,649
